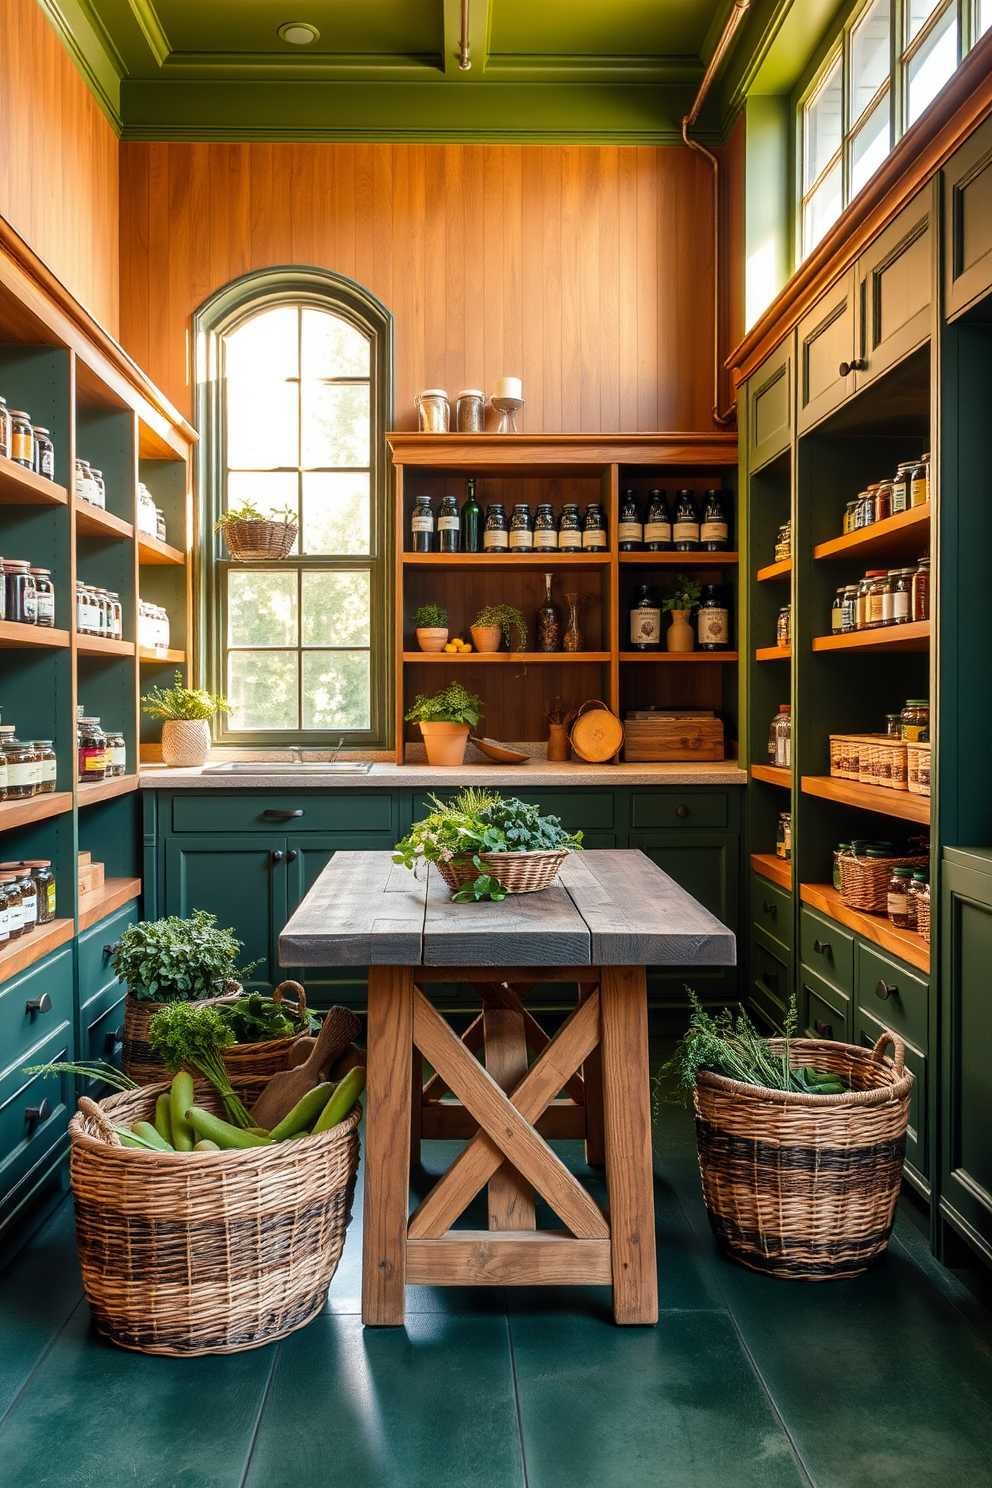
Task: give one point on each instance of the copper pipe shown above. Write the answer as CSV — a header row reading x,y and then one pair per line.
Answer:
x,y
464,60
733,21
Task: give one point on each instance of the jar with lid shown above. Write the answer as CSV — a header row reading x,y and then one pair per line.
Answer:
x,y
12,907
449,525
864,512
921,590
521,529
470,411
44,591
421,525
99,497
45,750
712,620
848,522
41,871
714,523
893,725
897,903
116,615
84,609
3,763
21,440
783,836
594,529
645,619
783,542
919,890
147,519
21,600
658,523
837,612
160,528
780,738
843,849
29,894
850,621
879,595
861,602
495,534
82,481
92,750
433,411
4,429
919,482
116,752
884,494
902,595
162,628
900,489
545,528
570,529
914,721
685,523
783,626
630,525
23,769
44,453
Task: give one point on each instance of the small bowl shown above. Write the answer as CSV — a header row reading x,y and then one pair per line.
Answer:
x,y
499,752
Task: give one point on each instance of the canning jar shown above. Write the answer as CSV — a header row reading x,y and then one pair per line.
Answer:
x,y
21,600
783,836
569,529
45,750
495,534
83,482
850,607
861,602
12,905
29,894
41,871
147,512
44,591
23,769
902,595
92,750
783,542
921,590
864,512
783,626
433,411
470,411
884,494
879,591
44,453
4,429
21,440
116,752
914,721
847,525
900,489
897,903
594,529
3,769
99,497
116,615
160,524
545,528
521,529
919,482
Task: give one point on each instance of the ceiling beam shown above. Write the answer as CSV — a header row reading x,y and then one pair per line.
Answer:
x,y
480,20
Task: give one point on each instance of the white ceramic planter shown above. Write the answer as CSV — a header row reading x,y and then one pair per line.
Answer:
x,y
185,742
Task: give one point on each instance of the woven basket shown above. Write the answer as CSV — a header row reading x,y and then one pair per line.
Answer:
x,y
919,769
923,916
595,733
518,872
140,1061
249,542
864,882
209,1254
805,1186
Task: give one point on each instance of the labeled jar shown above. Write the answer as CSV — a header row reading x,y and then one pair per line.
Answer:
x,y
116,752
900,490
837,612
902,595
783,626
850,607
449,526
4,429
919,482
28,888
879,594
897,902
658,524
44,453
99,497
21,440
861,603
783,542
23,769
433,411
20,597
545,529
630,525
864,512
884,495
3,767
422,525
41,871
91,750
116,615
48,763
782,737
160,528
848,522
521,529
147,512
783,836
921,590
594,529
914,721
712,620
714,523
496,534
645,619
685,523
570,529
12,907
44,591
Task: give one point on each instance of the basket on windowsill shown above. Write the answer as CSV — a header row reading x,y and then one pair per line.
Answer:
x,y
252,542
518,872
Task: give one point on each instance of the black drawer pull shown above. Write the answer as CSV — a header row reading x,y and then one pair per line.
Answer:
x,y
857,365
886,989
277,856
109,950
114,1039
274,815
682,811
771,909
825,1030
821,947
292,855
42,1004
34,1114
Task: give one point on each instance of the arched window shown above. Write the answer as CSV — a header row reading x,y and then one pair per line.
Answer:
x,y
294,371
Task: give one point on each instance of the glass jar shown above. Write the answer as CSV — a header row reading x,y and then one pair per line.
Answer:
x,y
685,523
849,513
569,529
645,619
12,905
44,591
897,904
92,750
45,750
630,524
783,542
41,871
495,534
921,590
861,603
421,525
433,411
44,453
837,612
893,725
21,602
29,894
82,481
900,489
521,529
83,609
914,721
99,497
594,529
470,411
714,523
160,528
3,768
864,513
545,529
23,769
850,607
658,524
879,596
919,889
783,836
4,429
902,595
449,525
116,753
162,628
783,626
548,620
919,482
21,440
147,512
116,615
884,494
712,620
843,849
782,737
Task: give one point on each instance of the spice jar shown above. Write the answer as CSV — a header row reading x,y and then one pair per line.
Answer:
x,y
594,529
569,529
48,762
433,411
848,523
3,767
902,595
495,534
28,888
861,602
99,497
884,494
545,528
900,489
783,626
783,836
23,769
92,750
21,600
470,411
919,482
21,440
850,607
116,615
41,871
783,542
4,429
893,726
44,453
521,529
116,752
837,612
897,905
864,512
13,912
878,589
921,590
914,721
44,591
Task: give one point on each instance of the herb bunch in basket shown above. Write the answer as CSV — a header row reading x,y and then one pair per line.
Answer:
x,y
727,1045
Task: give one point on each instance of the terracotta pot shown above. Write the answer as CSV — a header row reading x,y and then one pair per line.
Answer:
x,y
432,637
486,637
680,636
445,742
185,742
559,748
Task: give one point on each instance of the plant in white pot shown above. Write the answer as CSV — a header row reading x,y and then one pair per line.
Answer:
x,y
445,720
431,621
186,712
250,537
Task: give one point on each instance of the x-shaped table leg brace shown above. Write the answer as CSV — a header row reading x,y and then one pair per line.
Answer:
x,y
505,994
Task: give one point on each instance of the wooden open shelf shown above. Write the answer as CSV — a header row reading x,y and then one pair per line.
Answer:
x,y
17,955
20,487
149,653
914,635
152,550
906,944
487,658
779,870
773,653
454,561
869,798
111,894
105,790
103,646
681,560
772,775
900,536
780,570
17,813
18,636
679,656
93,521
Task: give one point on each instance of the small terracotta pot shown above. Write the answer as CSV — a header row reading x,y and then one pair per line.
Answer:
x,y
185,742
445,742
680,636
559,748
486,637
432,637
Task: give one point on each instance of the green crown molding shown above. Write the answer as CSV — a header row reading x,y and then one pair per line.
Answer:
x,y
152,29
92,51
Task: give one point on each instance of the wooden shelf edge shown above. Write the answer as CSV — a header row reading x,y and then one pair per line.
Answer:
x,y
111,894
778,570
773,775
506,657
14,636
151,550
906,944
507,560
93,521
17,955
102,646
19,486
34,808
773,653
779,870
147,653
876,535
914,635
105,790
869,798
689,560
684,656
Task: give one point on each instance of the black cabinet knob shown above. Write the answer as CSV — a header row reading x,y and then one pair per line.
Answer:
x,y
277,857
42,1004
825,1030
109,950
274,815
34,1114
885,990
821,947
292,855
858,364
682,811
114,1039
771,909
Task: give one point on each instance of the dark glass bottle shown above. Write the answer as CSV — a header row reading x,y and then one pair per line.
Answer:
x,y
658,524
422,525
521,529
471,522
548,620
545,529
713,620
630,532
714,526
569,529
449,526
645,619
685,524
495,537
594,539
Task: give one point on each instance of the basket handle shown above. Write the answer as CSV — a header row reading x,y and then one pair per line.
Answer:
x,y
301,996
91,1110
899,1049
590,703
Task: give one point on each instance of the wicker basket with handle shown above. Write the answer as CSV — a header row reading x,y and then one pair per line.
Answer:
x,y
595,733
805,1186
252,542
864,882
140,1061
518,872
211,1253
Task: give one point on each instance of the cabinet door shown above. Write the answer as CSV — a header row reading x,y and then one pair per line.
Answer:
x,y
895,287
868,1031
242,881
968,222
703,863
769,407
825,346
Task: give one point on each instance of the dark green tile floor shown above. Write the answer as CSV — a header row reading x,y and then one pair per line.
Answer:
x,y
746,1382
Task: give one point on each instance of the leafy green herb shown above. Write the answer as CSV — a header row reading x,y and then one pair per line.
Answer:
x,y
431,616
185,1034
684,595
508,618
181,703
98,1070
451,705
256,1019
176,960
249,512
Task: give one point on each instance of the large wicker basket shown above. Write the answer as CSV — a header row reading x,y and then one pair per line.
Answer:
x,y
254,542
805,1186
864,882
518,872
140,1061
209,1254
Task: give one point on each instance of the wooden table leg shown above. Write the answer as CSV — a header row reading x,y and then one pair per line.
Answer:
x,y
627,1123
592,1074
416,1104
387,1144
511,1198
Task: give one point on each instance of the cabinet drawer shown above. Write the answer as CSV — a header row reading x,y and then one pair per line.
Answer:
x,y
893,994
771,909
825,1010
869,1031
95,948
769,403
101,1030
825,343
968,220
24,1142
678,809
827,948
48,981
895,274
579,810
771,980
336,810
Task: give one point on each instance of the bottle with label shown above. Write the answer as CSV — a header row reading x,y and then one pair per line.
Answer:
x,y
658,524
545,529
714,526
548,620
471,521
919,482
712,620
914,721
921,590
901,488
783,836
41,871
783,627
630,530
879,598
897,903
21,439
685,523
850,607
782,736
44,453
29,894
569,529
645,619
449,526
12,904
45,750
495,536
837,612
44,591
521,529
594,529
422,525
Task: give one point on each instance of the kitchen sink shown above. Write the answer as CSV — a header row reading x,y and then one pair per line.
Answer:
x,y
291,767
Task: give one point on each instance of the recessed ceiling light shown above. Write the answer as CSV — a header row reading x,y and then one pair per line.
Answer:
x,y
300,33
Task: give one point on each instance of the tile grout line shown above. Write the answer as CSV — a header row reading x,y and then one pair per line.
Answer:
x,y
516,1390
258,1418
40,1361
948,1287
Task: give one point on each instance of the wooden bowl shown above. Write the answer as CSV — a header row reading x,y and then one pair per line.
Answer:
x,y
499,752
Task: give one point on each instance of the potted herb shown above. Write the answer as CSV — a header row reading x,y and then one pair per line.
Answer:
x,y
431,621
250,536
445,720
680,603
186,712
494,623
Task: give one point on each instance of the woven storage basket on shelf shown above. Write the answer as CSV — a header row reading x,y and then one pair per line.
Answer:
x,y
519,872
887,763
923,916
139,1060
844,756
919,769
595,733
247,542
805,1186
209,1254
864,882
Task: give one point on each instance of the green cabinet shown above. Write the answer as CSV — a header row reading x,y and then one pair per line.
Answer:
x,y
825,345
968,222
895,290
769,407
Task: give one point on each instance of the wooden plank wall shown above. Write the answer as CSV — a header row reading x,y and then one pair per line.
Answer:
x,y
59,161
585,270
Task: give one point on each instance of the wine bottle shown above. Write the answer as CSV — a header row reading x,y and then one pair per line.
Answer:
x,y
658,524
471,520
645,619
548,621
630,532
713,620
685,523
714,528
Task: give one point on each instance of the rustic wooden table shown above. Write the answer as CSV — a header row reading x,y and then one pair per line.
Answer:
x,y
609,915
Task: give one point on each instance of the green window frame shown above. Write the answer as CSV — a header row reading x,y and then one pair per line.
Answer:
x,y
299,575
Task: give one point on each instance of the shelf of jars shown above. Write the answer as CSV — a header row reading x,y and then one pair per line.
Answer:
x,y
19,811
912,635
893,537
772,775
88,792
680,658
906,944
17,955
111,895
14,634
95,645
93,521
506,658
773,653
886,802
778,870
647,559
516,560
157,553
20,486
772,571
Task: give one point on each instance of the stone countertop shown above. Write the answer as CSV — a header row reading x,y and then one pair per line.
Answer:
x,y
537,772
